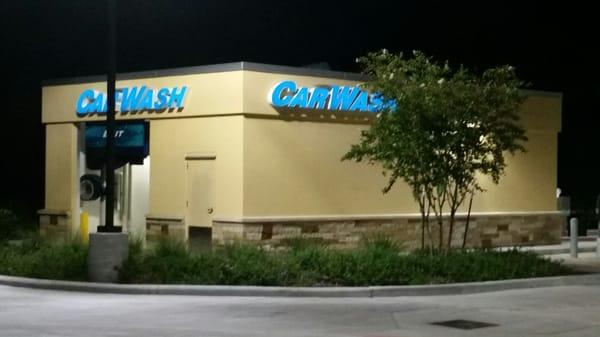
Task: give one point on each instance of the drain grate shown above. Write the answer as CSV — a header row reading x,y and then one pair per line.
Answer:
x,y
464,324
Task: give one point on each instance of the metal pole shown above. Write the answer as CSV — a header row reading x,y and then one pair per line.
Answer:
x,y
110,120
598,229
573,241
598,241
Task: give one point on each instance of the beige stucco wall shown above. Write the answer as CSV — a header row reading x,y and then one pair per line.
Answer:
x,y
294,168
292,163
530,180
62,181
541,112
271,163
172,139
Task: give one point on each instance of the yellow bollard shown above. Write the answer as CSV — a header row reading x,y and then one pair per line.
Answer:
x,y
84,227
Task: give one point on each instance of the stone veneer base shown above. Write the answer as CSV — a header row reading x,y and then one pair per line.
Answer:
x,y
158,227
55,224
485,230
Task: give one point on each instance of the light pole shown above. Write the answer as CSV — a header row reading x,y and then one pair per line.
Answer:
x,y
109,226
598,229
109,247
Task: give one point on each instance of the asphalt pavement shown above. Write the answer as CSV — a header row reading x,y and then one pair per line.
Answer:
x,y
556,311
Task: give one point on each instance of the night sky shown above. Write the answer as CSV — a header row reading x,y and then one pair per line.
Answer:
x,y
554,47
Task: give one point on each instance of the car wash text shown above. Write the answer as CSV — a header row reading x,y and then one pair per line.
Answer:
x,y
287,94
130,99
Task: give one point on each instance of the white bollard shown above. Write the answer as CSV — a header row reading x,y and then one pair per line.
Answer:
x,y
574,233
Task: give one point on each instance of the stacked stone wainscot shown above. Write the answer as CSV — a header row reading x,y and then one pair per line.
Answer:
x,y
56,224
485,229
165,226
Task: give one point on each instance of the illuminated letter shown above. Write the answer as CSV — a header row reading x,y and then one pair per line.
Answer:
x,y
146,103
342,98
318,98
282,94
361,102
300,99
84,101
161,99
99,105
177,98
131,98
118,99
376,103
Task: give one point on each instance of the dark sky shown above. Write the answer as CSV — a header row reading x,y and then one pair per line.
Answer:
x,y
554,47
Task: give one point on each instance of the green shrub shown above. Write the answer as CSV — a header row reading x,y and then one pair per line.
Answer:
x,y
380,240
15,225
246,264
378,261
374,262
132,266
299,243
167,262
34,257
8,223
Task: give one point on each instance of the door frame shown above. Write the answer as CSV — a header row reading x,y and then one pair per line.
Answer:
x,y
194,156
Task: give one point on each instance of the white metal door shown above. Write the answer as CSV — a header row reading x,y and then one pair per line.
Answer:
x,y
200,192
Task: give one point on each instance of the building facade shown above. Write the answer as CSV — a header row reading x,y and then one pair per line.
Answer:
x,y
247,151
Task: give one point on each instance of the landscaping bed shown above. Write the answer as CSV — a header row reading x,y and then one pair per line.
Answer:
x,y
374,262
34,257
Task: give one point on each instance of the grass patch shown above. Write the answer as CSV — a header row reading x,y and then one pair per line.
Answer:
x,y
34,257
375,262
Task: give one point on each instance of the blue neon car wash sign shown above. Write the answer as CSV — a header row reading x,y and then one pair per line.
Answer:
x,y
130,99
287,94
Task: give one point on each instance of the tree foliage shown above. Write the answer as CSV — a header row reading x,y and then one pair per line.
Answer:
x,y
446,127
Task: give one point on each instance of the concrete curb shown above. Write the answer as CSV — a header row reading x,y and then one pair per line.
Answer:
x,y
374,291
563,251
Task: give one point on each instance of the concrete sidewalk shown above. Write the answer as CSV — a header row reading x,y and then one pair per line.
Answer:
x,y
585,245
586,262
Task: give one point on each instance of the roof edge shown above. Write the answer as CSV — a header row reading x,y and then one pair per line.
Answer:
x,y
240,66
214,68
544,93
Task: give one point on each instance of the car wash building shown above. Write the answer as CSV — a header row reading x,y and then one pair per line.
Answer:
x,y
246,151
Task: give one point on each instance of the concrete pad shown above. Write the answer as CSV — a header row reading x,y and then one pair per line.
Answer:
x,y
585,262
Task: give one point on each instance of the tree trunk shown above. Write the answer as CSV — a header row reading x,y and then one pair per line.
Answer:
x,y
422,206
454,203
467,222
422,231
429,234
451,229
441,231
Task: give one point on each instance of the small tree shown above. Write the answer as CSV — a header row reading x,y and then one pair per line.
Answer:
x,y
445,127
